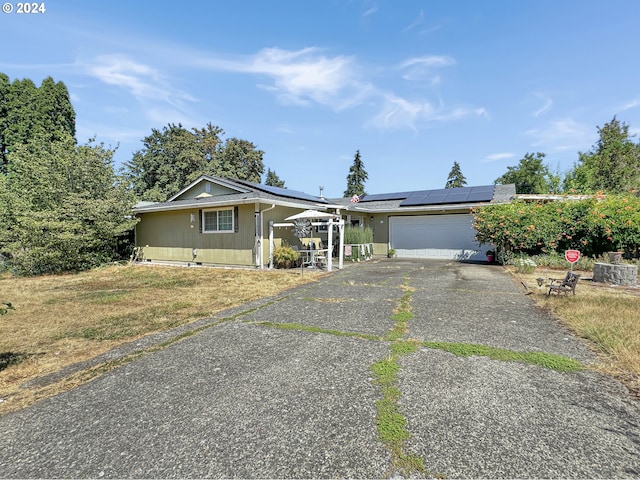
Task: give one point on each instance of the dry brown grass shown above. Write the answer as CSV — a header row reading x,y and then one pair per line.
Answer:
x,y
607,316
64,319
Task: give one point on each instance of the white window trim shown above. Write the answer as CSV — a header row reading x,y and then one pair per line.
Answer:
x,y
222,209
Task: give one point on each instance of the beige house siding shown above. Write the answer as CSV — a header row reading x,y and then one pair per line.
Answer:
x,y
171,236
201,188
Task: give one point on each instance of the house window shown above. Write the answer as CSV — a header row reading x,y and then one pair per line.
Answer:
x,y
217,221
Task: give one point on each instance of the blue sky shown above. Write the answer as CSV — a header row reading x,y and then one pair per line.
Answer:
x,y
413,85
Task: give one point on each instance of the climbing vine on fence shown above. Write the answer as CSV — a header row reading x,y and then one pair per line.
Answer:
x,y
593,226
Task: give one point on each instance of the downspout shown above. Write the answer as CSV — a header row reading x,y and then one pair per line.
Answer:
x,y
262,234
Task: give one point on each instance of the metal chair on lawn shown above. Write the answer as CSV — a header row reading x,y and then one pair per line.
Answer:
x,y
566,285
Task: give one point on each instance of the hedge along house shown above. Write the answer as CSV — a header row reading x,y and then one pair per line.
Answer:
x,y
426,223
220,221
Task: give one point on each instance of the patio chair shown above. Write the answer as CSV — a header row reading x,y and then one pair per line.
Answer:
x,y
565,285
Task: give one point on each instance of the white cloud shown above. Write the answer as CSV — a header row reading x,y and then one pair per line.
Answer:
x,y
632,104
142,81
302,76
308,76
419,20
399,112
548,104
370,11
422,68
494,157
562,135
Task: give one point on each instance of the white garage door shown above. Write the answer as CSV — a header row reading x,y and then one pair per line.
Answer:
x,y
434,236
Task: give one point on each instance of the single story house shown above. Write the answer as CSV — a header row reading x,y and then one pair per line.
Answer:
x,y
222,221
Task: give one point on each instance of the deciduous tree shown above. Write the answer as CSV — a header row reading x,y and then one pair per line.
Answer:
x,y
174,156
62,207
612,165
530,176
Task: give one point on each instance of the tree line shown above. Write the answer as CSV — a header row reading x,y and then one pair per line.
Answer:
x,y
612,166
64,205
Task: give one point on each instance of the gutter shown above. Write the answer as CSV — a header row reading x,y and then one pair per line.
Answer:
x,y
243,201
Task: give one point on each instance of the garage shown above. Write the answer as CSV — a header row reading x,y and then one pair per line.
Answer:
x,y
449,236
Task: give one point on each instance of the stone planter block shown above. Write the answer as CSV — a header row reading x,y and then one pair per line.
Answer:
x,y
616,274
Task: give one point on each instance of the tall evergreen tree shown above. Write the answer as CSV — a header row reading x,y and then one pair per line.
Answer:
x,y
27,112
273,180
356,178
455,178
5,84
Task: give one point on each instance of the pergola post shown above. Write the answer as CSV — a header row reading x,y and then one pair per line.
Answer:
x,y
270,243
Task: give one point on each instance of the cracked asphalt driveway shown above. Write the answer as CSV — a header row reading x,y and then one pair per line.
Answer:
x,y
283,388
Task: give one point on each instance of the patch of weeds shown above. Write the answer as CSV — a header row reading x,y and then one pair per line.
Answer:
x,y
402,316
390,423
385,371
403,347
392,426
542,359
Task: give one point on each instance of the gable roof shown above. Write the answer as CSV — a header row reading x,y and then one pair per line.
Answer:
x,y
234,192
436,199
238,192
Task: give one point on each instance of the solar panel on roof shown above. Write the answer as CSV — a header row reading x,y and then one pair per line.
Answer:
x,y
378,197
285,192
449,195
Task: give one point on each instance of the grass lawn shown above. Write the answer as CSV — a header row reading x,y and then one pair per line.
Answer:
x,y
64,319
608,316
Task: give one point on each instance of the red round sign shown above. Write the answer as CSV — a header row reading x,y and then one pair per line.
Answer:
x,y
572,256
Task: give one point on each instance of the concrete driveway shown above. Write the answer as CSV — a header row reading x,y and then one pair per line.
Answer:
x,y
246,399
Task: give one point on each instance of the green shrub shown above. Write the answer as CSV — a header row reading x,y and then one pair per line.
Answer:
x,y
358,235
284,257
593,226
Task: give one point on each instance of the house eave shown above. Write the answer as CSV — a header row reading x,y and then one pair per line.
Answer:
x,y
423,208
203,203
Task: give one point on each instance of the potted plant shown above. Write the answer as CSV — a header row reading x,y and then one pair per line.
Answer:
x,y
392,253
491,256
284,256
615,257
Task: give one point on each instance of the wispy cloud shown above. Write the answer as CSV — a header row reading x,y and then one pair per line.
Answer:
x,y
142,81
547,105
304,77
301,76
495,157
370,11
423,68
399,112
562,135
419,20
632,104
